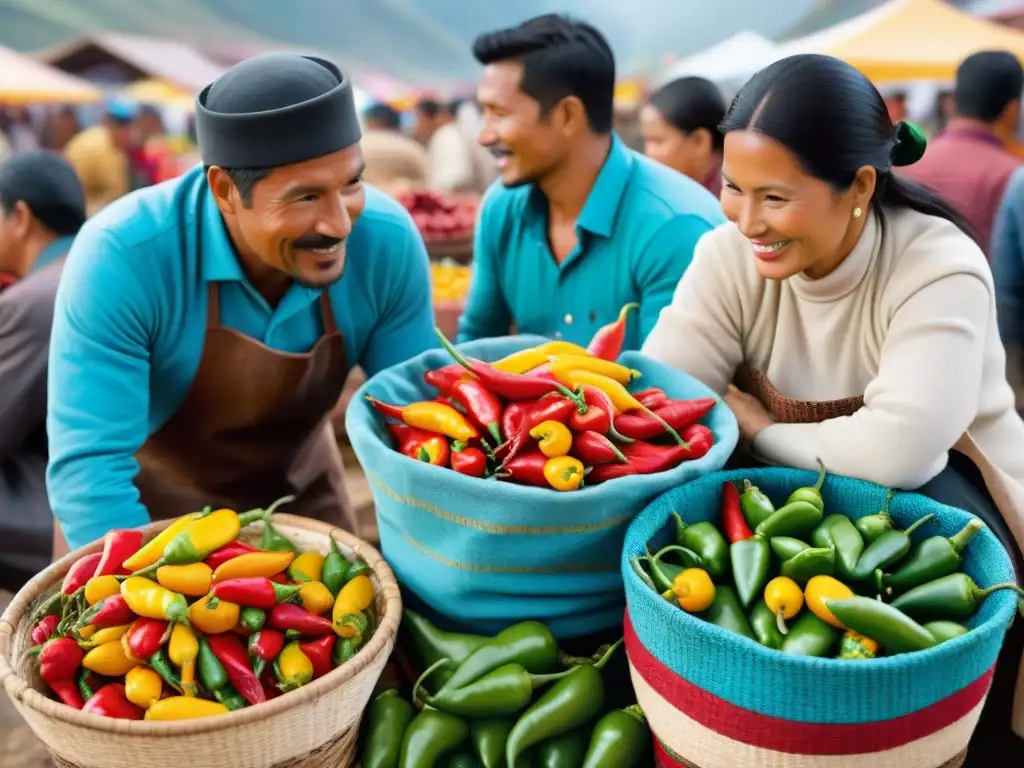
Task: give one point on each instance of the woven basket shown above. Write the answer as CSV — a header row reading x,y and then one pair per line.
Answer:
x,y
314,727
715,699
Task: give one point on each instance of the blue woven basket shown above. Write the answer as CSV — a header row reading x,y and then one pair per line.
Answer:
x,y
715,698
488,554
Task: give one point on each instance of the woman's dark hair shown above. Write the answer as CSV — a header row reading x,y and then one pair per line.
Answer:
x,y
831,117
690,103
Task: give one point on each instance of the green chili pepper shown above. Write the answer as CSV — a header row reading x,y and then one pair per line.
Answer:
x,y
430,736
811,494
212,674
565,751
432,644
335,569
687,557
816,561
951,597
933,558
462,758
750,560
489,739
794,519
528,644
273,541
756,506
619,740
727,613
345,648
873,526
887,625
160,664
855,646
838,531
766,626
230,698
253,619
886,550
945,630
709,544
388,717
786,547
87,683
809,636
662,574
567,705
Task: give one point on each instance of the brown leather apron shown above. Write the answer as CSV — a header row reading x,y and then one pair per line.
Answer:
x,y
252,428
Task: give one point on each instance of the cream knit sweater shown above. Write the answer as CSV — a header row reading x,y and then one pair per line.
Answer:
x,y
907,320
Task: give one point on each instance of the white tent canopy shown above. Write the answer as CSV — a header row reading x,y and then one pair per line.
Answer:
x,y
733,59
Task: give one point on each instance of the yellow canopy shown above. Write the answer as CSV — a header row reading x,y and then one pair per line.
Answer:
x,y
910,40
628,93
24,80
157,91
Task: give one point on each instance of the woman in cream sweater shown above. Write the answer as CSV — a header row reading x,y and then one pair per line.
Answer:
x,y
855,313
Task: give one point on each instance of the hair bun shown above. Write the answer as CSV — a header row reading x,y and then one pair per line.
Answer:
x,y
909,143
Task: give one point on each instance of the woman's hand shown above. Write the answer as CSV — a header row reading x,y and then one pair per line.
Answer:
x,y
751,415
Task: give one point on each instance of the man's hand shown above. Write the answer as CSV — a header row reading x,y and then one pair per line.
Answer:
x,y
751,415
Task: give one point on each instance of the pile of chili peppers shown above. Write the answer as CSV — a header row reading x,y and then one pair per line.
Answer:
x,y
553,416
196,622
802,582
511,700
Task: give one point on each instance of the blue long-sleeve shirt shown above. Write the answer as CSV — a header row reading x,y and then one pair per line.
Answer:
x,y
1007,258
130,324
637,232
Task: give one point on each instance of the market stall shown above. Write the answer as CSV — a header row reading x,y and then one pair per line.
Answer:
x,y
729,62
24,80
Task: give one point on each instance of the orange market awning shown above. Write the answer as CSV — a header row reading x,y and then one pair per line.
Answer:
x,y
23,80
909,40
157,91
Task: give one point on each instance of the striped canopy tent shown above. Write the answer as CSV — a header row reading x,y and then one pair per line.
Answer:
x,y
24,80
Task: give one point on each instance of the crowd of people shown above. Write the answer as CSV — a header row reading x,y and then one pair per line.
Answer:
x,y
823,269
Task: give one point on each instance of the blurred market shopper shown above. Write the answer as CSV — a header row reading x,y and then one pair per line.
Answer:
x,y
100,157
393,160
455,162
580,225
205,326
42,207
856,314
1007,257
680,129
970,162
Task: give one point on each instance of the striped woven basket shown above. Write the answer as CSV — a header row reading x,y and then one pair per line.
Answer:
x,y
715,699
314,727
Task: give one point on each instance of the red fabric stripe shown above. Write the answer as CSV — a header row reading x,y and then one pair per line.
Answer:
x,y
768,732
663,758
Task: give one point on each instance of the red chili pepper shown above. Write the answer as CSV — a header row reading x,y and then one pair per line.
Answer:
x,y
288,616
44,629
597,416
118,546
467,460
527,468
269,683
652,397
604,472
520,418
253,592
735,525
80,573
607,342
109,612
229,551
593,448
481,405
443,379
67,692
264,647
319,652
110,701
421,445
60,659
230,652
145,637
678,414
646,458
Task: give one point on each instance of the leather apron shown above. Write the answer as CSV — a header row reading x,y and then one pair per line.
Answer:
x,y
253,427
1006,493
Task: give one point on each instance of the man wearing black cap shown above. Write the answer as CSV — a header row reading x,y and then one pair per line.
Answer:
x,y
42,207
206,326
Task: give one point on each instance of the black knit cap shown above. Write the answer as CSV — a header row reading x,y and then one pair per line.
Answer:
x,y
276,109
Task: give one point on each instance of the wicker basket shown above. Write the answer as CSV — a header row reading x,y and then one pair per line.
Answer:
x,y
314,727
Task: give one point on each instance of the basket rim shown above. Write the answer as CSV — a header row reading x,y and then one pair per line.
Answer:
x,y
20,691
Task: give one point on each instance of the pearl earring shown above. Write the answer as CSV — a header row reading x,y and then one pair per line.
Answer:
x,y
857,212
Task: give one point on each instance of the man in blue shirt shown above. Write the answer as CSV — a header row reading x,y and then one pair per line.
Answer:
x,y
581,225
204,327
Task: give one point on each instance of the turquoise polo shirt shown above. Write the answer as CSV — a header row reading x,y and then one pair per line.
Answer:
x,y
636,234
130,324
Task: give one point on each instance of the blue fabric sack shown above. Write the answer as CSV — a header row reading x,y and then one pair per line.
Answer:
x,y
488,554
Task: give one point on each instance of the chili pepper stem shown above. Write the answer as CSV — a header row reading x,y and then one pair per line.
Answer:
x,y
667,427
983,593
821,475
492,428
959,541
780,620
637,712
619,455
423,677
918,523
262,514
617,436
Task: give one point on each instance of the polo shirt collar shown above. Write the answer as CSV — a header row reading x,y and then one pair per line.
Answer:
x,y
218,259
52,252
598,214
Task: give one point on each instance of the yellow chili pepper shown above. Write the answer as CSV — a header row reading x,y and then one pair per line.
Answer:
x,y
151,601
183,650
561,348
822,588
143,687
292,667
108,660
99,587
213,621
783,597
193,580
90,637
440,418
553,438
316,598
693,590
308,566
184,708
154,549
564,473
612,370
521,362
354,598
265,564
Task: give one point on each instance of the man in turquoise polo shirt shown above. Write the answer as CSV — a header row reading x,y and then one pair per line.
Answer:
x,y
580,224
204,327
